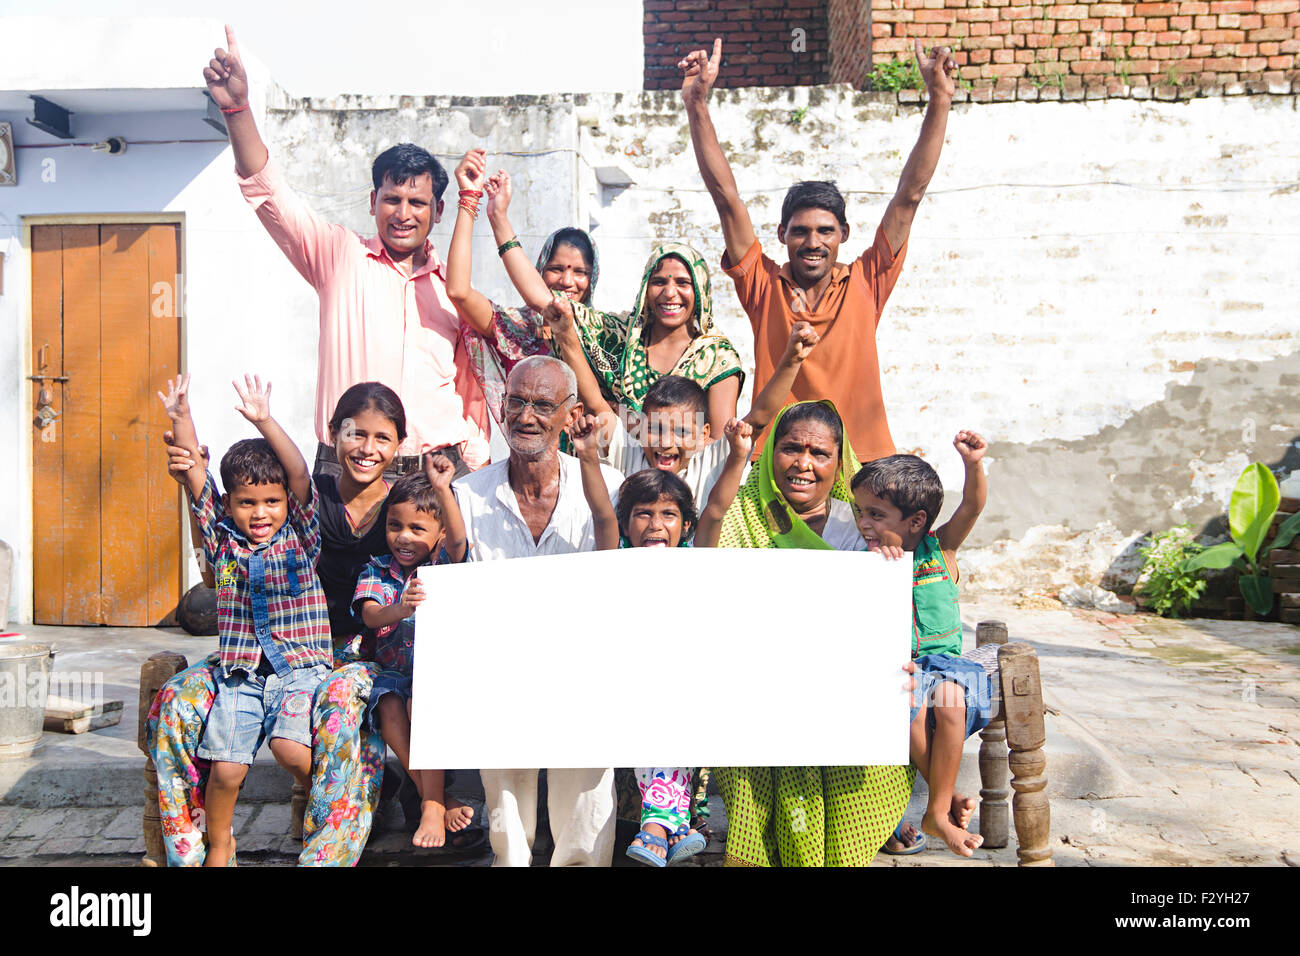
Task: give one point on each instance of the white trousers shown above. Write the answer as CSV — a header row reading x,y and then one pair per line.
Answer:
x,y
581,808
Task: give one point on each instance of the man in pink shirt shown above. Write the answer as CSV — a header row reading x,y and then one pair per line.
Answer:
x,y
384,311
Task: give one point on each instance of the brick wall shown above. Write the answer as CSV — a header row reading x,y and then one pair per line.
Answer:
x,y
848,25
760,44
1023,49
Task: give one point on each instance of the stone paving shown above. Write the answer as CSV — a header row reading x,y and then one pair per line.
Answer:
x,y
1168,743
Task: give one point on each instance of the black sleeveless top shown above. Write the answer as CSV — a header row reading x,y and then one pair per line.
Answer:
x,y
343,555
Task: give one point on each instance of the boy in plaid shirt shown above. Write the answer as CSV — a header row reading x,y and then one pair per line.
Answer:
x,y
271,612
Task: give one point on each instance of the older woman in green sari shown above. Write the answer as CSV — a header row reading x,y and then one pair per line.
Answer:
x,y
797,496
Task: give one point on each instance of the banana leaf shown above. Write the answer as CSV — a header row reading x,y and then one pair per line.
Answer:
x,y
1290,528
1252,506
1257,589
1219,556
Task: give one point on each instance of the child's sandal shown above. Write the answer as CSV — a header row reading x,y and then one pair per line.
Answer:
x,y
687,845
643,855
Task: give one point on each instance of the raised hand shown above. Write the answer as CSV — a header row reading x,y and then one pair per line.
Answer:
x,y
254,398
803,339
180,460
586,435
499,190
938,69
699,72
471,171
412,595
177,401
225,76
559,316
970,445
439,470
740,436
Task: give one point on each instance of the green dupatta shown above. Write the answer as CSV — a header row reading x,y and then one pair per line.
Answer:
x,y
616,348
760,517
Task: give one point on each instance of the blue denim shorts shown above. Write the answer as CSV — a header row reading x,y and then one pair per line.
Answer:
x,y
248,708
388,682
935,669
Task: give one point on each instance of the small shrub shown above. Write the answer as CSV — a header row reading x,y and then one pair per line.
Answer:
x,y
894,75
1170,589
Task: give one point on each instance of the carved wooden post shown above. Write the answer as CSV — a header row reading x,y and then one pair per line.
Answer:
x,y
994,774
297,810
156,671
1022,703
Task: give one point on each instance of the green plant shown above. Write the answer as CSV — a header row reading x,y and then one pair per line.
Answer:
x,y
1122,64
797,115
893,75
1250,512
1163,579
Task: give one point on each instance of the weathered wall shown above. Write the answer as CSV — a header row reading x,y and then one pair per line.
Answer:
x,y
1100,288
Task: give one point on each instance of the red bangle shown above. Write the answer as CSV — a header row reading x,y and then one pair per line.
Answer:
x,y
235,109
476,193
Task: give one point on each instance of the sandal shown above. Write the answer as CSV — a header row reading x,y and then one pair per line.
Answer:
x,y
641,854
687,846
916,847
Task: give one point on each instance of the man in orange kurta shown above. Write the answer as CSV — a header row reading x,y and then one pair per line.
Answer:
x,y
843,302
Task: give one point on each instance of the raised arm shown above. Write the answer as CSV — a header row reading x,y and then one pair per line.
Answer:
x,y
177,405
375,615
585,433
699,71
568,347
974,492
740,434
472,305
228,84
937,69
440,472
255,405
768,402
523,274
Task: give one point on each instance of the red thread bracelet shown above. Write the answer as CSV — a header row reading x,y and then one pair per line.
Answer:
x,y
235,109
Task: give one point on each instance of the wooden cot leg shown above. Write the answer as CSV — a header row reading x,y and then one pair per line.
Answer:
x,y
156,671
1022,703
994,824
297,810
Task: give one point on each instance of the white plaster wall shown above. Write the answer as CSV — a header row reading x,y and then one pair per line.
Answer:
x,y
1069,261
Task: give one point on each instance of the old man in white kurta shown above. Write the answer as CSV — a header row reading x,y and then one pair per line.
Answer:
x,y
533,504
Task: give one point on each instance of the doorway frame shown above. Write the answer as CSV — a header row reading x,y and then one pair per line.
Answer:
x,y
27,600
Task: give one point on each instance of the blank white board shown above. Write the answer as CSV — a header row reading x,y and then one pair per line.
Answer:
x,y
664,658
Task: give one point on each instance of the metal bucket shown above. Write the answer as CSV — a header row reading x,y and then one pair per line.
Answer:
x,y
24,687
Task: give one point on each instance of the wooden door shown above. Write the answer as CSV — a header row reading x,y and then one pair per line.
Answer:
x,y
106,516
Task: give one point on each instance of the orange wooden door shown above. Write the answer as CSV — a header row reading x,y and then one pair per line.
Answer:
x,y
106,516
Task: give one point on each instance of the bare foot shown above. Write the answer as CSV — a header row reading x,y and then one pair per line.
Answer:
x,y
458,815
963,808
959,840
430,832
909,832
220,855
656,830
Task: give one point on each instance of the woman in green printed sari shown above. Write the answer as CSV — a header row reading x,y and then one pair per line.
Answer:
x,y
797,496
668,332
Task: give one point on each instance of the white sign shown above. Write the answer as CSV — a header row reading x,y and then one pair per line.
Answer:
x,y
654,658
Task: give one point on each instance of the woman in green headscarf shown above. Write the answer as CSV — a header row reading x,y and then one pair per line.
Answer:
x,y
797,496
668,332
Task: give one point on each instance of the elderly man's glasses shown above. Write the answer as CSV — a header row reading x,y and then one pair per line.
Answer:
x,y
541,408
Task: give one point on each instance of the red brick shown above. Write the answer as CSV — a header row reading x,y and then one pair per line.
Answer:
x,y
1168,37
1026,56
1230,21
1067,26
1038,40
1206,23
979,29
1000,26
1275,19
1293,19
1290,46
1269,33
1068,12
1281,62
1018,13
1089,66
985,43
1135,23
1005,69
1270,49
1109,9
1277,6
1223,36
1144,39
1251,21
1157,9
1232,6
942,16
1180,23
976,15
1195,8
1112,23
1070,53
1004,56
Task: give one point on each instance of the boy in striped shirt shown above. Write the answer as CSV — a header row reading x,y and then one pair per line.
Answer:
x,y
271,612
